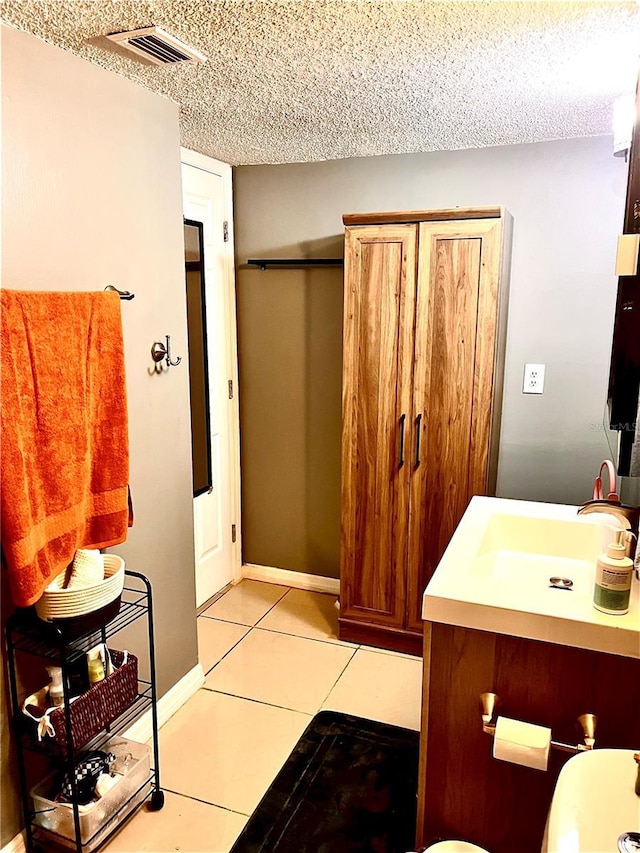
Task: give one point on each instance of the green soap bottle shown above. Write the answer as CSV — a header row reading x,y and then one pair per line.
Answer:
x,y
614,572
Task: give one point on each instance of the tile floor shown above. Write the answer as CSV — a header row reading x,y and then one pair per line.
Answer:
x,y
272,660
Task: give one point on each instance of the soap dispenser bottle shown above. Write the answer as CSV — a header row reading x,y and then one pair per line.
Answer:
x,y
56,691
614,572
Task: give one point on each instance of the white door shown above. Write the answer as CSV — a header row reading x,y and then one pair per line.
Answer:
x,y
206,191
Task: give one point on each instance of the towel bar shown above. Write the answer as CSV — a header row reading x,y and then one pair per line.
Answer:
x,y
123,294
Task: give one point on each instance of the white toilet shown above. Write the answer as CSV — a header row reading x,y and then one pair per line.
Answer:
x,y
454,847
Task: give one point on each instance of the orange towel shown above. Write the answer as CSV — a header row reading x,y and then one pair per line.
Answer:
x,y
65,447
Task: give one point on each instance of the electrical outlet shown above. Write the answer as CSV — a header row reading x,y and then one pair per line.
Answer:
x,y
533,379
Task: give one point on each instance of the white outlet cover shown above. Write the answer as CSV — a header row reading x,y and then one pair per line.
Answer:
x,y
533,379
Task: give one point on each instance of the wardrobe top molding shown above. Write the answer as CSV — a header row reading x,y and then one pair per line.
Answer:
x,y
401,216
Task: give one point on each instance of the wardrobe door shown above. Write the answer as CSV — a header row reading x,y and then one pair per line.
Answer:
x,y
380,281
456,315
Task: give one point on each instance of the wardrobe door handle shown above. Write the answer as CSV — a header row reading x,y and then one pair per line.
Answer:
x,y
418,422
402,420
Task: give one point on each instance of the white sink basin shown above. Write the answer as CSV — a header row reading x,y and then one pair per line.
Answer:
x,y
494,576
527,551
594,803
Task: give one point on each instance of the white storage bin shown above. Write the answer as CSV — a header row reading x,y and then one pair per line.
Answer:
x,y
132,764
56,602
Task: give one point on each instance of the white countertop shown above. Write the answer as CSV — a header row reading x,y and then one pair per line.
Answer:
x,y
513,596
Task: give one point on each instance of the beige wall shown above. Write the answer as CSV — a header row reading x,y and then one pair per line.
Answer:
x,y
567,200
91,197
290,356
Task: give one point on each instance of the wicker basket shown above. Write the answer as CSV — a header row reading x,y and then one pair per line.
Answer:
x,y
101,704
59,603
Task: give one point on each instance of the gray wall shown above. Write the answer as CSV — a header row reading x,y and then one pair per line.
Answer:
x,y
567,200
92,196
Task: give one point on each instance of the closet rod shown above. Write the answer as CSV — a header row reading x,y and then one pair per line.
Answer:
x,y
301,263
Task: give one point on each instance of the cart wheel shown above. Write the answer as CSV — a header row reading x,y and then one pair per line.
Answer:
x,y
157,801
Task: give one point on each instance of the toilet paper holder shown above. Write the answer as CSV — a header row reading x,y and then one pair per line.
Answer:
x,y
586,722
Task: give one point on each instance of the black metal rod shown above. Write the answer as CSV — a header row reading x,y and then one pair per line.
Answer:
x,y
26,802
301,263
103,634
12,672
70,757
402,421
152,677
22,770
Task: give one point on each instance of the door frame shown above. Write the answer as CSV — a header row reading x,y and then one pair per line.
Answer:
x,y
216,167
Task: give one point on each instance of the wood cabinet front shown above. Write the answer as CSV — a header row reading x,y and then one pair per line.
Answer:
x,y
453,386
464,792
379,308
422,333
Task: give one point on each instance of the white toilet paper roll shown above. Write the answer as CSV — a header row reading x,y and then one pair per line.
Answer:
x,y
522,743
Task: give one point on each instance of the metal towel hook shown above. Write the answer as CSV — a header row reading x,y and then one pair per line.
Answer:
x,y
161,351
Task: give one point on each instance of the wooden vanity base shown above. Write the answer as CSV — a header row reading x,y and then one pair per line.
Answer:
x,y
467,794
392,639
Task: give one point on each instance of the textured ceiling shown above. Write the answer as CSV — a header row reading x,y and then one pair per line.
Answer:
x,y
302,80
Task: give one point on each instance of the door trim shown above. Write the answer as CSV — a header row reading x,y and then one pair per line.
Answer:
x,y
216,167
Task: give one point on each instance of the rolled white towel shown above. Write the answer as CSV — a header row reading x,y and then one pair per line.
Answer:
x,y
105,783
87,569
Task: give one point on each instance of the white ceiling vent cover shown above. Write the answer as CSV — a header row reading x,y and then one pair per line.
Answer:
x,y
158,46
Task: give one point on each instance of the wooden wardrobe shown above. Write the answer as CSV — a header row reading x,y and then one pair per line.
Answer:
x,y
425,296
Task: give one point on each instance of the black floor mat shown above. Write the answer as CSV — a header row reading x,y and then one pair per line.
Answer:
x,y
349,786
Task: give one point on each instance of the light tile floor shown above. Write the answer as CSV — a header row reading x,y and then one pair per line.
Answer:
x,y
272,659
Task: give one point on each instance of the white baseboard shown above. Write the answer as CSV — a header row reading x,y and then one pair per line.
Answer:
x,y
285,577
16,845
142,729
171,702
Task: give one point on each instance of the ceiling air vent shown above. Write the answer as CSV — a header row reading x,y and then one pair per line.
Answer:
x,y
158,46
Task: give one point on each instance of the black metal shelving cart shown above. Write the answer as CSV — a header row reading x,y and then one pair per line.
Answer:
x,y
27,634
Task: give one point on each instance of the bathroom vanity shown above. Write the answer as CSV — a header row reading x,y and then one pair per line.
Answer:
x,y
494,624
